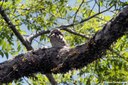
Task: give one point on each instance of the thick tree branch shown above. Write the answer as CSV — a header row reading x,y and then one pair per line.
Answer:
x,y
24,41
61,60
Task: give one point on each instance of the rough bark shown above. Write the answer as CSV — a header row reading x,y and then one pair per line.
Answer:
x,y
61,60
24,41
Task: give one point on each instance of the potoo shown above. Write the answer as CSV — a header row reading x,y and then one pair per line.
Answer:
x,y
57,39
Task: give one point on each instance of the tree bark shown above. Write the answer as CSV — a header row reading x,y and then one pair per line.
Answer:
x,y
24,41
61,60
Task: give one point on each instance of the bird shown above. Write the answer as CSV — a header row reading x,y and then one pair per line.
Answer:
x,y
57,39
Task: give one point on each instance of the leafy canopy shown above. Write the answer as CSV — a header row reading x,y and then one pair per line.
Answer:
x,y
31,16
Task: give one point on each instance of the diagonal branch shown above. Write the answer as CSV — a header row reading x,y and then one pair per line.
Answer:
x,y
84,20
64,27
25,42
75,33
78,10
95,15
31,37
92,9
15,31
61,60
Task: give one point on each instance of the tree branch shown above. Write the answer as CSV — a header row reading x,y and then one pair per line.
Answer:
x,y
61,60
75,33
95,15
24,41
64,27
31,37
13,28
78,10
92,8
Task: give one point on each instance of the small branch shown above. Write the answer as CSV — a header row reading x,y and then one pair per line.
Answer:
x,y
47,31
92,9
13,28
75,33
84,20
26,81
64,27
101,19
31,37
78,10
95,15
98,4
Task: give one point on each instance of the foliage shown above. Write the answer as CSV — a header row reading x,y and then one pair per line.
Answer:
x,y
31,16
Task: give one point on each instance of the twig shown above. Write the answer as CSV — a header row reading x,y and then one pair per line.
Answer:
x,y
95,15
84,20
101,19
78,10
75,33
92,9
37,34
26,81
39,43
98,5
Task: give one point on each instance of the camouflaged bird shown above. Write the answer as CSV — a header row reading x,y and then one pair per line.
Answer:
x,y
57,39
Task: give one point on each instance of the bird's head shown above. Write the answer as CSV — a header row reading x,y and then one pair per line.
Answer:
x,y
55,32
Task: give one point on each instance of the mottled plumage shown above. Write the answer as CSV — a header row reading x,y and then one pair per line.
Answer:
x,y
57,39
